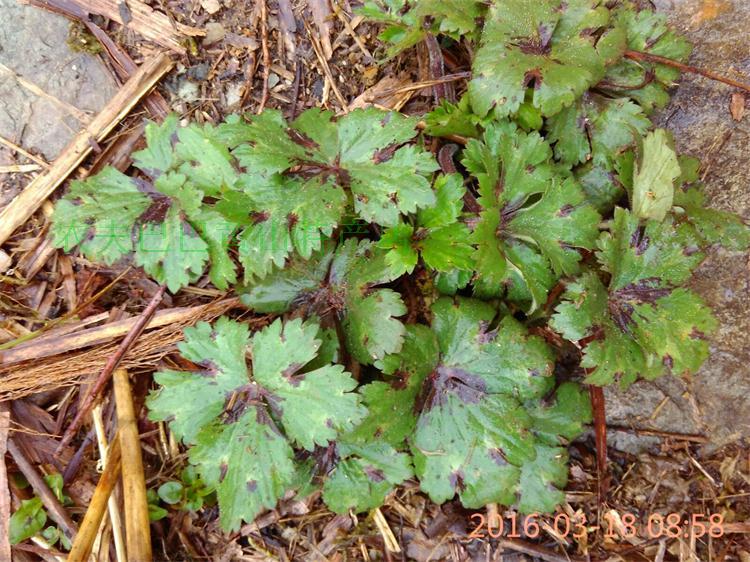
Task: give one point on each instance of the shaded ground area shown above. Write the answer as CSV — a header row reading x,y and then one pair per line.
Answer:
x,y
716,402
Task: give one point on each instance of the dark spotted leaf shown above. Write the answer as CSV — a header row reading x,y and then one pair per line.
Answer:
x,y
712,226
26,521
364,476
596,129
643,324
363,155
244,422
438,236
560,47
163,224
407,21
474,436
341,281
390,402
647,31
534,217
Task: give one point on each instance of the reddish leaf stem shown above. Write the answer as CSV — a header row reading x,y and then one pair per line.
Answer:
x,y
648,57
600,431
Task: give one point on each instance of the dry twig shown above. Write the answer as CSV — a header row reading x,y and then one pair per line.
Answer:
x,y
111,365
18,211
4,490
54,509
15,148
59,368
640,57
266,54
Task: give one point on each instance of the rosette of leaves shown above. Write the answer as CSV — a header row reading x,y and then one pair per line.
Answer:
x,y
340,283
437,234
561,48
303,177
533,218
645,81
251,402
161,221
408,21
641,323
488,425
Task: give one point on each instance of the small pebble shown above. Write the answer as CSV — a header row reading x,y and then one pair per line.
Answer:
x,y
211,6
215,32
5,262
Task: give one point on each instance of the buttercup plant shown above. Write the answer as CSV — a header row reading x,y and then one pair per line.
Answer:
x,y
409,299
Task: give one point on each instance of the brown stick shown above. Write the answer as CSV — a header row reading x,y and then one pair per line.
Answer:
x,y
37,91
137,530
97,507
110,366
15,148
426,83
24,205
600,437
266,54
442,90
54,509
54,344
692,437
648,57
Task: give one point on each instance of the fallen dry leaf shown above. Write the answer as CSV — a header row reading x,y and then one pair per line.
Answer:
x,y
737,106
709,10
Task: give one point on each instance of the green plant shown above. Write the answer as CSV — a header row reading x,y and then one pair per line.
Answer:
x,y
415,302
30,518
188,493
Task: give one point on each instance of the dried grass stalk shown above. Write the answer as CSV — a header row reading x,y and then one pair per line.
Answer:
x,y
137,523
89,528
69,366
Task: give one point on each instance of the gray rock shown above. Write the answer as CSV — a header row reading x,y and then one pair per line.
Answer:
x,y
717,400
33,43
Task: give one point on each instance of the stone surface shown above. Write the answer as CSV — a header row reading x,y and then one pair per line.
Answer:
x,y
33,44
717,400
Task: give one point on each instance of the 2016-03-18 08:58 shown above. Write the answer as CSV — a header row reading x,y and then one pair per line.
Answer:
x,y
627,525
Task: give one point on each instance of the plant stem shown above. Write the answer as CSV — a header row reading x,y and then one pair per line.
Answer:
x,y
600,432
648,57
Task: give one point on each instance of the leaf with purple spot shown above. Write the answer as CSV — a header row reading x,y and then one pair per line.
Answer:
x,y
249,404
478,408
561,48
642,324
